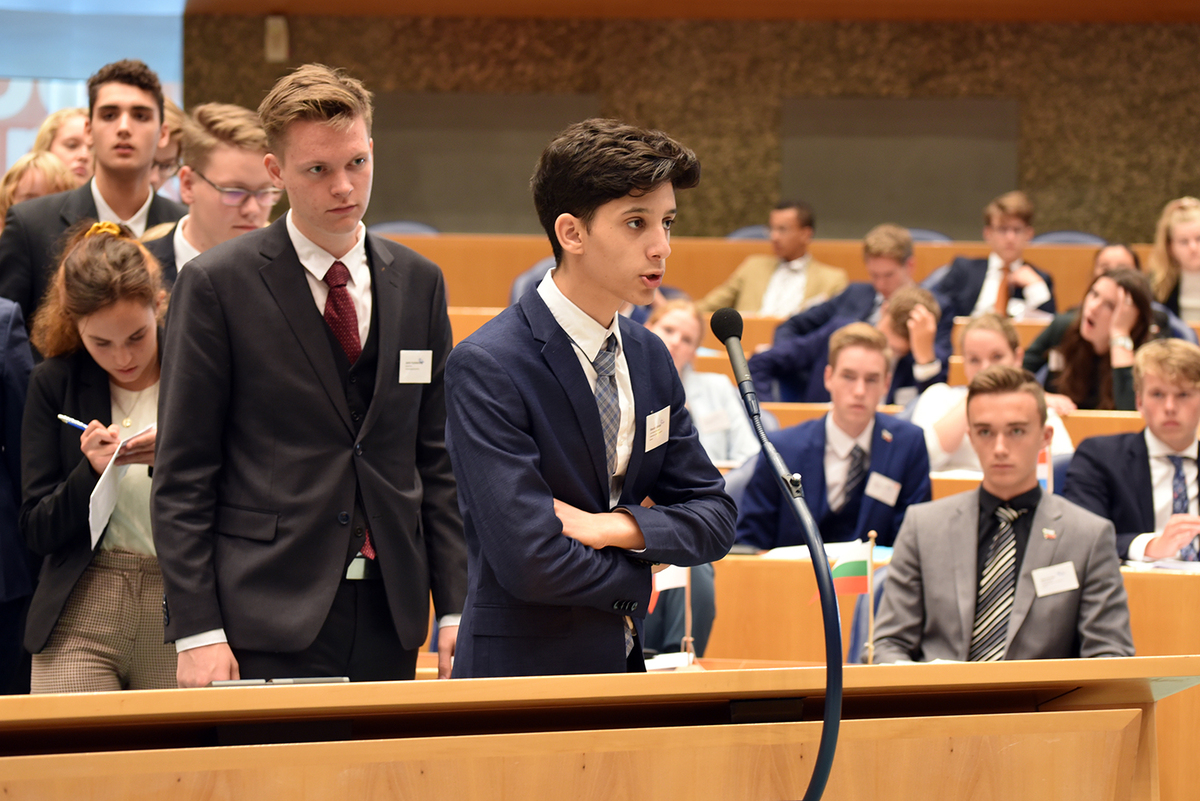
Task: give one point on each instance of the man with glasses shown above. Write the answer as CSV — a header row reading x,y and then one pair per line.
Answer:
x,y
1002,282
125,121
224,182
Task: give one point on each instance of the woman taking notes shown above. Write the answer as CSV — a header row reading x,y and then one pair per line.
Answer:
x,y
95,622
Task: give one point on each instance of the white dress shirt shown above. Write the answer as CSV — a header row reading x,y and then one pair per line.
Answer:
x,y
589,337
838,445
1035,294
1189,296
317,261
136,223
784,295
185,251
1162,477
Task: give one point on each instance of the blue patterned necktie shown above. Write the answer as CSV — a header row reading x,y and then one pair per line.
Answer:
x,y
606,399
1179,504
996,589
855,475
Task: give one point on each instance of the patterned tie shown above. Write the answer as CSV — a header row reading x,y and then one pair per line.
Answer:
x,y
606,399
855,476
996,591
339,311
1179,504
1001,307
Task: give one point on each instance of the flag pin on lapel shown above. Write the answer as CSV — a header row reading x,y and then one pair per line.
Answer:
x,y
1048,534
887,435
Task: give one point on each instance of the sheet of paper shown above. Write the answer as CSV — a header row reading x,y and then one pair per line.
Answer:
x,y
104,495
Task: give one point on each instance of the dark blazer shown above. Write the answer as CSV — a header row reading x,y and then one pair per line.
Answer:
x,y
855,301
259,468
1110,476
16,564
163,249
32,239
58,481
964,280
523,429
793,370
765,519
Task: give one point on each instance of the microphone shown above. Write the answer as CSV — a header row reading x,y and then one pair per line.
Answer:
x,y
726,324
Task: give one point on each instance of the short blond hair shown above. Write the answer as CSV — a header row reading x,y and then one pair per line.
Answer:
x,y
901,304
1010,204
888,241
990,321
859,335
313,93
1000,379
50,126
214,124
678,304
1175,360
58,177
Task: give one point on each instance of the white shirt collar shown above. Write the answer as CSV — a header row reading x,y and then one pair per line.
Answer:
x,y
587,334
184,250
1156,447
797,265
136,223
842,443
995,264
317,260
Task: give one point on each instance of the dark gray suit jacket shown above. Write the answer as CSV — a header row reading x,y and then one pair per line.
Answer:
x,y
928,607
258,463
31,242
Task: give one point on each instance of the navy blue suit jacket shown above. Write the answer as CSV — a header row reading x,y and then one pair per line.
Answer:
x,y
964,280
855,301
1110,476
16,563
163,249
897,451
523,430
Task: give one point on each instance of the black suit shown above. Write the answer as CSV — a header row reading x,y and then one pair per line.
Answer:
x,y
163,249
264,473
1111,477
964,280
31,242
16,563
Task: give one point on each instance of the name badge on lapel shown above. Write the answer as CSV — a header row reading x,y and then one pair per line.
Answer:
x,y
416,366
883,489
1055,579
658,428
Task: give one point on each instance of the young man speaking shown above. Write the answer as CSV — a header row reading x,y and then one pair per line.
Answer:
x,y
562,418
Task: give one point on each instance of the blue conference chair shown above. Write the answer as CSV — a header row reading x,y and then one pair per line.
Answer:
x,y
401,227
1067,238
928,235
750,232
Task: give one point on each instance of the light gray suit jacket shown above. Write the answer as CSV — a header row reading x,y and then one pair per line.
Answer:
x,y
928,606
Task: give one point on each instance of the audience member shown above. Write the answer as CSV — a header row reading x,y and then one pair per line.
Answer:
x,y
18,567
1119,256
304,506
1005,571
167,156
1174,263
1002,282
33,175
545,425
1088,353
65,134
861,468
125,125
1146,483
785,283
793,370
941,411
224,183
96,621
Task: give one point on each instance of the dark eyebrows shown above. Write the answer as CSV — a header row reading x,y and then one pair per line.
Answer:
x,y
644,210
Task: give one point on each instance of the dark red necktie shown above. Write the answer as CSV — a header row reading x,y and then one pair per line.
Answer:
x,y
339,311
343,321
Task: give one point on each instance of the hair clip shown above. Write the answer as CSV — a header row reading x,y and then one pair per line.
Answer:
x,y
104,228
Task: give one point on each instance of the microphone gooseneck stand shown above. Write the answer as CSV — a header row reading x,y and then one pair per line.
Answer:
x,y
727,325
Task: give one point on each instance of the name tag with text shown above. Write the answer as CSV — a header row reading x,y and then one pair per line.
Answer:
x,y
416,366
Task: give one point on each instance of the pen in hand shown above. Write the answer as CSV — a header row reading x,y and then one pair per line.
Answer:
x,y
71,421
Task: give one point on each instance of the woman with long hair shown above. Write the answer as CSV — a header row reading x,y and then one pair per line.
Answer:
x,y
64,133
1174,263
1088,352
95,621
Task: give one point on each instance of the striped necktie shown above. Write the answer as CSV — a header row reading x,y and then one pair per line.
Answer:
x,y
1179,504
606,399
996,590
855,475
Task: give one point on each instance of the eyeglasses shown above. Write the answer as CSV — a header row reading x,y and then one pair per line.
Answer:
x,y
236,197
167,169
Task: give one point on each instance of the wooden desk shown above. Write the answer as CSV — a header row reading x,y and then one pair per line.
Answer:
x,y
466,320
1061,730
755,331
1086,423
764,613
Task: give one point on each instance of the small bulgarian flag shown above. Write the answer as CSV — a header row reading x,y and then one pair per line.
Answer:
x,y
852,572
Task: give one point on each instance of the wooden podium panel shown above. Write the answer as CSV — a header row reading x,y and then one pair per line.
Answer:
x,y
1058,729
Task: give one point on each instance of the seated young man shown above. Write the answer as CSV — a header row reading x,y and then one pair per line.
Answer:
x,y
1005,571
1146,483
1002,282
782,284
861,468
793,371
